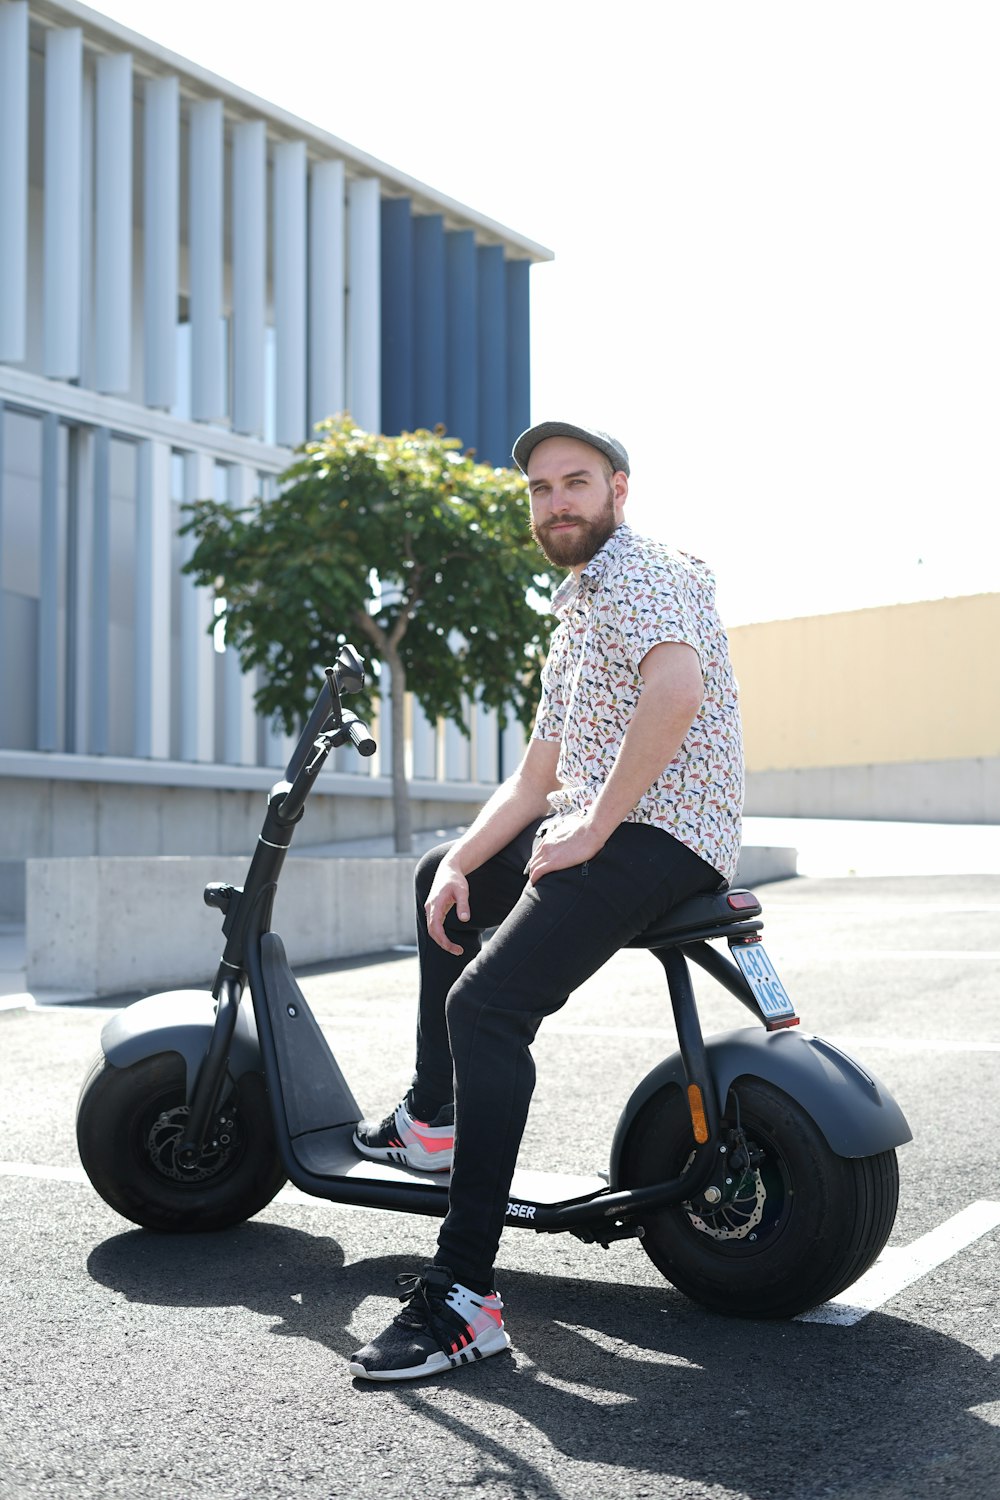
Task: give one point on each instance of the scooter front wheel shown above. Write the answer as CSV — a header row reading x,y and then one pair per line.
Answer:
x,y
782,1226
129,1124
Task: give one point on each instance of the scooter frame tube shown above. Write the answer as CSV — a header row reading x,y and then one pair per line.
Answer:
x,y
208,1086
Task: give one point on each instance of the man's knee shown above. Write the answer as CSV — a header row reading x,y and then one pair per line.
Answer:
x,y
427,868
464,1005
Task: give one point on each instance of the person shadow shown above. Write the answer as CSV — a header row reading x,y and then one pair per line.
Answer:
x,y
630,1376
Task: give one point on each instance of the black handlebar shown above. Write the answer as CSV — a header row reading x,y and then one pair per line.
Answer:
x,y
248,909
360,736
327,727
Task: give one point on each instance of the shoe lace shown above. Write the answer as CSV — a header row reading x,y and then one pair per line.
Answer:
x,y
419,1292
388,1124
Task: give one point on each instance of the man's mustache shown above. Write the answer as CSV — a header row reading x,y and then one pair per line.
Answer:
x,y
563,521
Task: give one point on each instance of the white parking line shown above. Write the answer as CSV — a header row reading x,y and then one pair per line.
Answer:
x,y
42,1173
898,1267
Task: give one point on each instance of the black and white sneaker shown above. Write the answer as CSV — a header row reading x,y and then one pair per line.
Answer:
x,y
425,1145
443,1325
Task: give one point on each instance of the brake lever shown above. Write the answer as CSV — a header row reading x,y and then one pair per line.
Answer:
x,y
322,745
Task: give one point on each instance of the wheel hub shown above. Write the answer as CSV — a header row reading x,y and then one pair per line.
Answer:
x,y
166,1134
732,1206
737,1215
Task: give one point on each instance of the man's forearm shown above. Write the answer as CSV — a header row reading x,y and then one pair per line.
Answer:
x,y
518,801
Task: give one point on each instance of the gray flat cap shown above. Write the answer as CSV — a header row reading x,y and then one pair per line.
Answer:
x,y
602,441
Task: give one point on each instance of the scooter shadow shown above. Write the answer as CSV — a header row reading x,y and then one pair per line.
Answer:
x,y
632,1376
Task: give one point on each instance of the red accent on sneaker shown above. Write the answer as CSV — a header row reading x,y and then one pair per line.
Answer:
x,y
430,1143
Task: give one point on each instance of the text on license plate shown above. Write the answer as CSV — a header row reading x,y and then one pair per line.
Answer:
x,y
759,973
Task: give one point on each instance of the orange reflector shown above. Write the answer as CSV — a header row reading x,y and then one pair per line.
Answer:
x,y
697,1107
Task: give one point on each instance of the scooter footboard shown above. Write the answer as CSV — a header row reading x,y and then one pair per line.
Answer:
x,y
179,1021
855,1112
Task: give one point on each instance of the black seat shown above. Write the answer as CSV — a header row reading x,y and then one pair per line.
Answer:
x,y
700,916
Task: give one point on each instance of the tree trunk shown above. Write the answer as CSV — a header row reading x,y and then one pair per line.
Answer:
x,y
401,810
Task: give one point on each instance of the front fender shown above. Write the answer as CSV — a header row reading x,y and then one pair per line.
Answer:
x,y
855,1112
179,1021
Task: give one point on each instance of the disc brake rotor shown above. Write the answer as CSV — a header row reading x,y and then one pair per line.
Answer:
x,y
736,1217
166,1134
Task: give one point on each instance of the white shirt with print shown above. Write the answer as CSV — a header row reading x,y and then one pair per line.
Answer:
x,y
634,594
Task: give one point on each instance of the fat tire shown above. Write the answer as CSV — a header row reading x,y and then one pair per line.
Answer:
x,y
825,1218
116,1111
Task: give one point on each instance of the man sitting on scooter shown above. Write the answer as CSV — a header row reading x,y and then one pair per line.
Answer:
x,y
627,801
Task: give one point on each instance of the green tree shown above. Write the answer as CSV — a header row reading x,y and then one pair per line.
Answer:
x,y
406,542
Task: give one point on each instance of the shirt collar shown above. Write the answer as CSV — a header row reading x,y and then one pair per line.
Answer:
x,y
572,587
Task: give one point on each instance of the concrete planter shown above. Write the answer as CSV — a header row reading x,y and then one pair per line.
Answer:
x,y
120,924
123,924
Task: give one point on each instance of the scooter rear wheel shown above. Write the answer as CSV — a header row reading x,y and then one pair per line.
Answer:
x,y
793,1228
129,1123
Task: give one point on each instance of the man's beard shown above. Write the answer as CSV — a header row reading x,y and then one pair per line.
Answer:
x,y
571,549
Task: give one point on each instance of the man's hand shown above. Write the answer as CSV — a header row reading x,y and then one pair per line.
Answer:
x,y
522,799
571,841
450,889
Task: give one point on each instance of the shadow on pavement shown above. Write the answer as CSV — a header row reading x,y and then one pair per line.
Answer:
x,y
630,1376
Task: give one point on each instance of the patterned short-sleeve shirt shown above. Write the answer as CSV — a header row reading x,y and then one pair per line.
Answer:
x,y
634,594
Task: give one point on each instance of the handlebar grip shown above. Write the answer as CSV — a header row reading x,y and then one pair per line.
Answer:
x,y
361,737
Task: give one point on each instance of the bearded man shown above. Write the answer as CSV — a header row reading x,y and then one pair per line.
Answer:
x,y
627,801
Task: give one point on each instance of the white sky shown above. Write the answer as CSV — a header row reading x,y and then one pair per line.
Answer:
x,y
777,238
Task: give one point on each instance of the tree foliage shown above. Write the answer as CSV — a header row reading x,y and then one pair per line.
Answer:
x,y
406,542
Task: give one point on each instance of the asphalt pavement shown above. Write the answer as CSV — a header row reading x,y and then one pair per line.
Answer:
x,y
140,1364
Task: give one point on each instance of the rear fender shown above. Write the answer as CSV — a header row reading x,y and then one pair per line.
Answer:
x,y
179,1021
854,1111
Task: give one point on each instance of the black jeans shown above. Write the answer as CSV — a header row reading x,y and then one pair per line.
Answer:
x,y
479,1013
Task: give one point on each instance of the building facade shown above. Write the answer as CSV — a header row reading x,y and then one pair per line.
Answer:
x,y
891,712
190,279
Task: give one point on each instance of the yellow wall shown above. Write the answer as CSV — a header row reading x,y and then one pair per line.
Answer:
x,y
910,682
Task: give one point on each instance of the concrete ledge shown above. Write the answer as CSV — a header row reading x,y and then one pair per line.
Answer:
x,y
119,924
760,863
938,791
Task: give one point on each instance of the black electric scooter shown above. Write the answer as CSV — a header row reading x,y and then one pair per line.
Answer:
x,y
757,1168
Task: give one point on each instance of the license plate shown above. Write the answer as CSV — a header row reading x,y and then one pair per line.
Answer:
x,y
758,971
